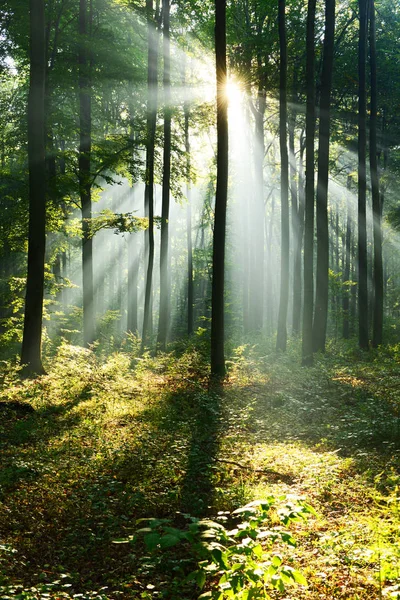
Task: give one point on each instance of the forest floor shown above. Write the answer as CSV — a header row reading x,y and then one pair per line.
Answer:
x,y
117,439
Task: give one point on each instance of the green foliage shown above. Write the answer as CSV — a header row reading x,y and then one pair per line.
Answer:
x,y
247,559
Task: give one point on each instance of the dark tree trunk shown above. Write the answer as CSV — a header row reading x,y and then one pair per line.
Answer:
x,y
221,196
32,336
164,247
190,290
322,279
85,144
362,182
297,280
281,338
307,349
149,178
346,272
256,280
376,208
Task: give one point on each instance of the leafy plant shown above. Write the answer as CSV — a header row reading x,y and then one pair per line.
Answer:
x,y
243,562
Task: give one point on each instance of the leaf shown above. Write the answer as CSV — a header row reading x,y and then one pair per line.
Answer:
x,y
151,541
169,540
299,578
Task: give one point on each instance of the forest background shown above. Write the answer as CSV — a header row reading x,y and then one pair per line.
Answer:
x,y
188,192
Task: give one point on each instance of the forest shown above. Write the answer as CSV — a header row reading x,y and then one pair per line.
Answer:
x,y
200,299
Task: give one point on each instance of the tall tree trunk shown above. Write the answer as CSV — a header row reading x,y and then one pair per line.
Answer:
x,y
149,179
376,208
190,290
322,279
164,247
297,282
221,196
346,271
281,338
362,182
32,336
307,349
133,268
85,144
256,295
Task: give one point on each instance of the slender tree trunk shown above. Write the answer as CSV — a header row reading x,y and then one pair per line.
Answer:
x,y
346,273
362,182
149,180
190,290
293,193
85,144
32,335
376,208
256,296
221,196
281,338
322,280
297,283
307,349
133,266
164,247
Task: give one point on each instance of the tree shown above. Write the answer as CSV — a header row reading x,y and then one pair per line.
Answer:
x,y
362,181
376,199
221,196
322,279
84,160
164,248
281,338
307,347
32,335
149,175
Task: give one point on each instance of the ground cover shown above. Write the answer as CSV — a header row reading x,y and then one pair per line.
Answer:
x,y
120,438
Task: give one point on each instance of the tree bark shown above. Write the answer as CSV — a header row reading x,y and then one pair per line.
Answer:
x,y
149,178
164,247
346,272
307,348
221,196
190,290
85,144
281,338
32,335
297,271
376,200
322,279
362,182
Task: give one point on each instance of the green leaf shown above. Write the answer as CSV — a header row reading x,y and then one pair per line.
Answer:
x,y
151,541
299,578
169,540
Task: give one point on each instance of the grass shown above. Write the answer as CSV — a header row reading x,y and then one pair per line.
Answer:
x,y
118,438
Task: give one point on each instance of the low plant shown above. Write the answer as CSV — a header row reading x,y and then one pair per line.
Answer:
x,y
242,562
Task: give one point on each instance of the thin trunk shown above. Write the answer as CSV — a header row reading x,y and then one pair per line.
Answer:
x,y
164,247
362,183
346,272
376,201
149,178
85,144
322,279
281,338
256,291
218,274
32,336
307,349
297,287
190,290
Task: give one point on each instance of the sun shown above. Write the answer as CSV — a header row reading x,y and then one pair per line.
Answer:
x,y
234,93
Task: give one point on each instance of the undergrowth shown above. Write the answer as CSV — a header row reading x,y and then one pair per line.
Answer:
x,y
116,438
